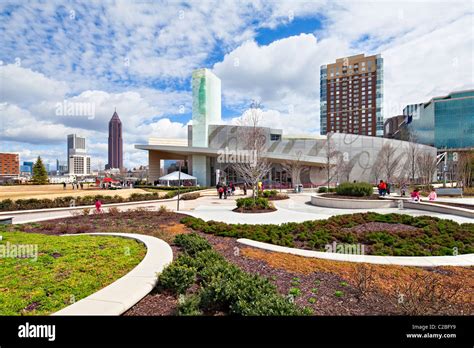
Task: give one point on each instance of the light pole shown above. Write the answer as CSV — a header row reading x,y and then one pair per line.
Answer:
x,y
179,183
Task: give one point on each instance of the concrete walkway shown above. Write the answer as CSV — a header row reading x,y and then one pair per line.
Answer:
x,y
125,292
295,209
417,261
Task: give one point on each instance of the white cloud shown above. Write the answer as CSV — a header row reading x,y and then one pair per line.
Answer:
x,y
23,86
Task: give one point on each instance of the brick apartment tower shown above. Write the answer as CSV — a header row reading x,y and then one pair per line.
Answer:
x,y
352,96
115,143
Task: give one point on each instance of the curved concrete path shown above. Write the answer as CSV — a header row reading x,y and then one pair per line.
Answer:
x,y
295,209
122,294
417,261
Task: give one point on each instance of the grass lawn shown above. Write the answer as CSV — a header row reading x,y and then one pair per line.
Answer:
x,y
15,192
66,269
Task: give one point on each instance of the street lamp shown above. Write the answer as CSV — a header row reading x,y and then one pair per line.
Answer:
x,y
179,183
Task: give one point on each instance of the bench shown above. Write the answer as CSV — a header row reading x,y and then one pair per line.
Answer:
x,y
449,191
6,220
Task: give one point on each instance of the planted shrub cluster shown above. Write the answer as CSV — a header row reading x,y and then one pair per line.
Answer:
x,y
324,189
273,195
429,235
249,203
62,202
223,287
356,189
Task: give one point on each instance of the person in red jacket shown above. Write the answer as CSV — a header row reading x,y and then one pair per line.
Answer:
x,y
415,195
382,186
98,205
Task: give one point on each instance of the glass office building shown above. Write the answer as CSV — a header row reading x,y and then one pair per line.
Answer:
x,y
444,122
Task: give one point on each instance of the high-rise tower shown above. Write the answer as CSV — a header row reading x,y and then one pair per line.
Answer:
x,y
352,95
115,143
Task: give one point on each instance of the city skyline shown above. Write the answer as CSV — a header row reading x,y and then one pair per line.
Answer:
x,y
270,52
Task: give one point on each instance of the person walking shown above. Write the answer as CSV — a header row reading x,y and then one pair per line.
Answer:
x,y
220,190
245,189
225,191
98,206
82,185
403,189
64,185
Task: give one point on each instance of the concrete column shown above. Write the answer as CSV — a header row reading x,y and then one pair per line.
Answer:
x,y
153,166
200,170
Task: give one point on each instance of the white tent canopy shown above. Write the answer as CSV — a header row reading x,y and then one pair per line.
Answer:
x,y
175,177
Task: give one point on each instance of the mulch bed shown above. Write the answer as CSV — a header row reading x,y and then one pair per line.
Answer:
x,y
380,226
365,198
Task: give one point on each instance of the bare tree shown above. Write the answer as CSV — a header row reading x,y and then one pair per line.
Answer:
x,y
253,139
465,168
344,166
377,167
295,167
330,158
389,161
427,167
412,154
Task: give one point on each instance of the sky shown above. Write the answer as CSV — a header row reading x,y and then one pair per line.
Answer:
x,y
66,65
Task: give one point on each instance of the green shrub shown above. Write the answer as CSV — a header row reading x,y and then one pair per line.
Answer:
x,y
225,287
177,277
189,305
269,193
249,203
192,243
356,189
322,189
189,196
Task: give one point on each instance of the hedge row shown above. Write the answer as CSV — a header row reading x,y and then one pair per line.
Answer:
x,y
223,287
62,202
431,236
355,189
169,188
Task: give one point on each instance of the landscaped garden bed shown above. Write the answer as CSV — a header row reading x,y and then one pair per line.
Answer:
x,y
326,287
254,205
274,195
42,274
161,224
330,287
335,195
395,234
63,202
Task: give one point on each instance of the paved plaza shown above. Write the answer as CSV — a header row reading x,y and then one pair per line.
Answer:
x,y
295,209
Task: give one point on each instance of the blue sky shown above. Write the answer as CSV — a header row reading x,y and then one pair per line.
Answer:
x,y
139,56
